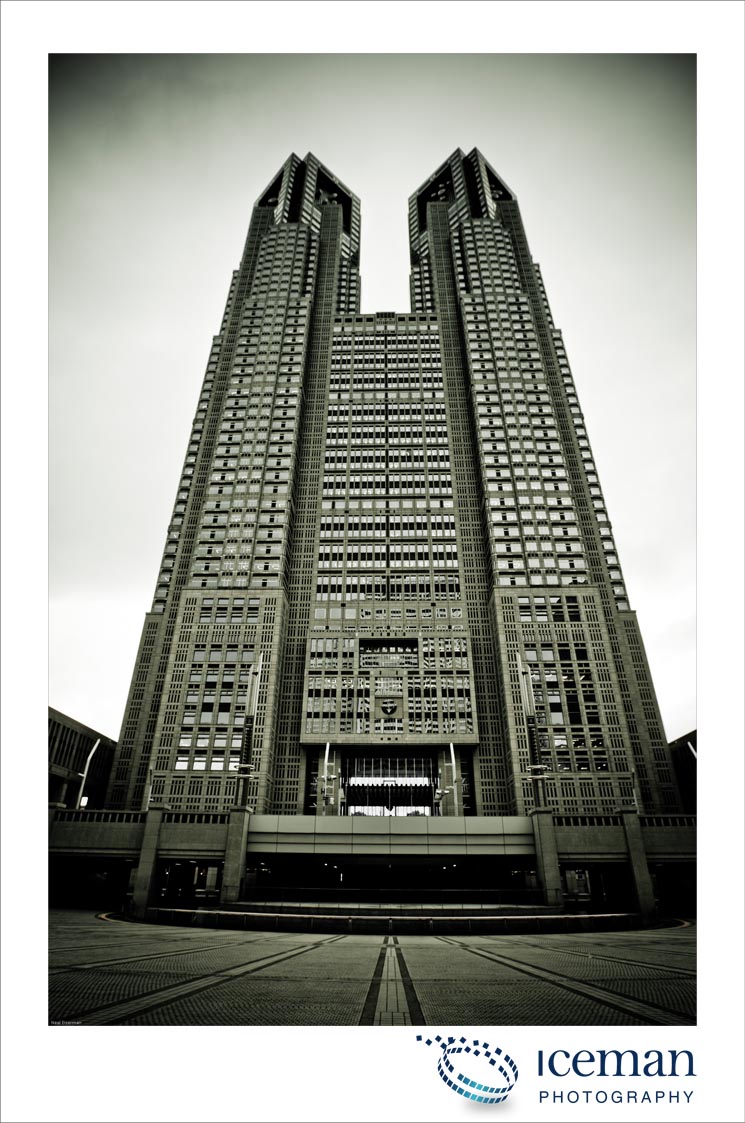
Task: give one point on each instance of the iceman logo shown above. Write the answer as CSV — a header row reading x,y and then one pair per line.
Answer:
x,y
474,1056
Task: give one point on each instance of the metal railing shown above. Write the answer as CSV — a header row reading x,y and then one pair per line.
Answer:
x,y
587,820
99,817
195,817
667,820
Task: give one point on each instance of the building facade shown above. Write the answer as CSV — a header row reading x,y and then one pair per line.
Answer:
x,y
80,762
390,586
684,755
390,648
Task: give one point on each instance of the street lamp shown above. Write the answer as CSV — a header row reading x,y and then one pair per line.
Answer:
x,y
440,794
85,773
326,778
538,776
535,767
455,779
634,796
244,768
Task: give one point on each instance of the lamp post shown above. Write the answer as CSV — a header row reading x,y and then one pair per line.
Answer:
x,y
326,778
455,779
633,791
244,767
85,773
535,767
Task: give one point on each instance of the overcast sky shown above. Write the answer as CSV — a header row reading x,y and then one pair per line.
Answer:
x,y
155,163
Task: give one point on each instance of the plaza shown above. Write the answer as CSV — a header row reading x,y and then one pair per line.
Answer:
x,y
108,972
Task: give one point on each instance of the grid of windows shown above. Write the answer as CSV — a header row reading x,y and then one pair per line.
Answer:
x,y
387,534
401,517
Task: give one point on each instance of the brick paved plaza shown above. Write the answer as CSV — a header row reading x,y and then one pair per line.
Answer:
x,y
109,972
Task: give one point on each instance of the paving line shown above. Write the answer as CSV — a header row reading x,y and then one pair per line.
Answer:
x,y
391,999
611,959
90,947
415,1013
370,1008
651,1012
391,1008
132,942
150,955
119,1011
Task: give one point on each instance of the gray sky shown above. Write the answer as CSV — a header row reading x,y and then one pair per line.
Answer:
x,y
155,162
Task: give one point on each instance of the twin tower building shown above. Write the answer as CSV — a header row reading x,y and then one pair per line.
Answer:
x,y
389,586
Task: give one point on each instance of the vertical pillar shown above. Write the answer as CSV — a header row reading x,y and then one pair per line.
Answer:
x,y
145,872
547,856
235,855
638,858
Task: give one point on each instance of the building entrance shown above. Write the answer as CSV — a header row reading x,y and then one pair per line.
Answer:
x,y
371,781
388,785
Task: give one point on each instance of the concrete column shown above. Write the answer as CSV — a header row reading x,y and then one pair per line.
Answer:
x,y
638,859
234,868
547,856
145,872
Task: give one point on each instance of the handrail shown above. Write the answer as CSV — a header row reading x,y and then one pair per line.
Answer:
x,y
195,817
667,820
99,817
587,820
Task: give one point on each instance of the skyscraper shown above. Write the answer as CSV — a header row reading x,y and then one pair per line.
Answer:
x,y
389,586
